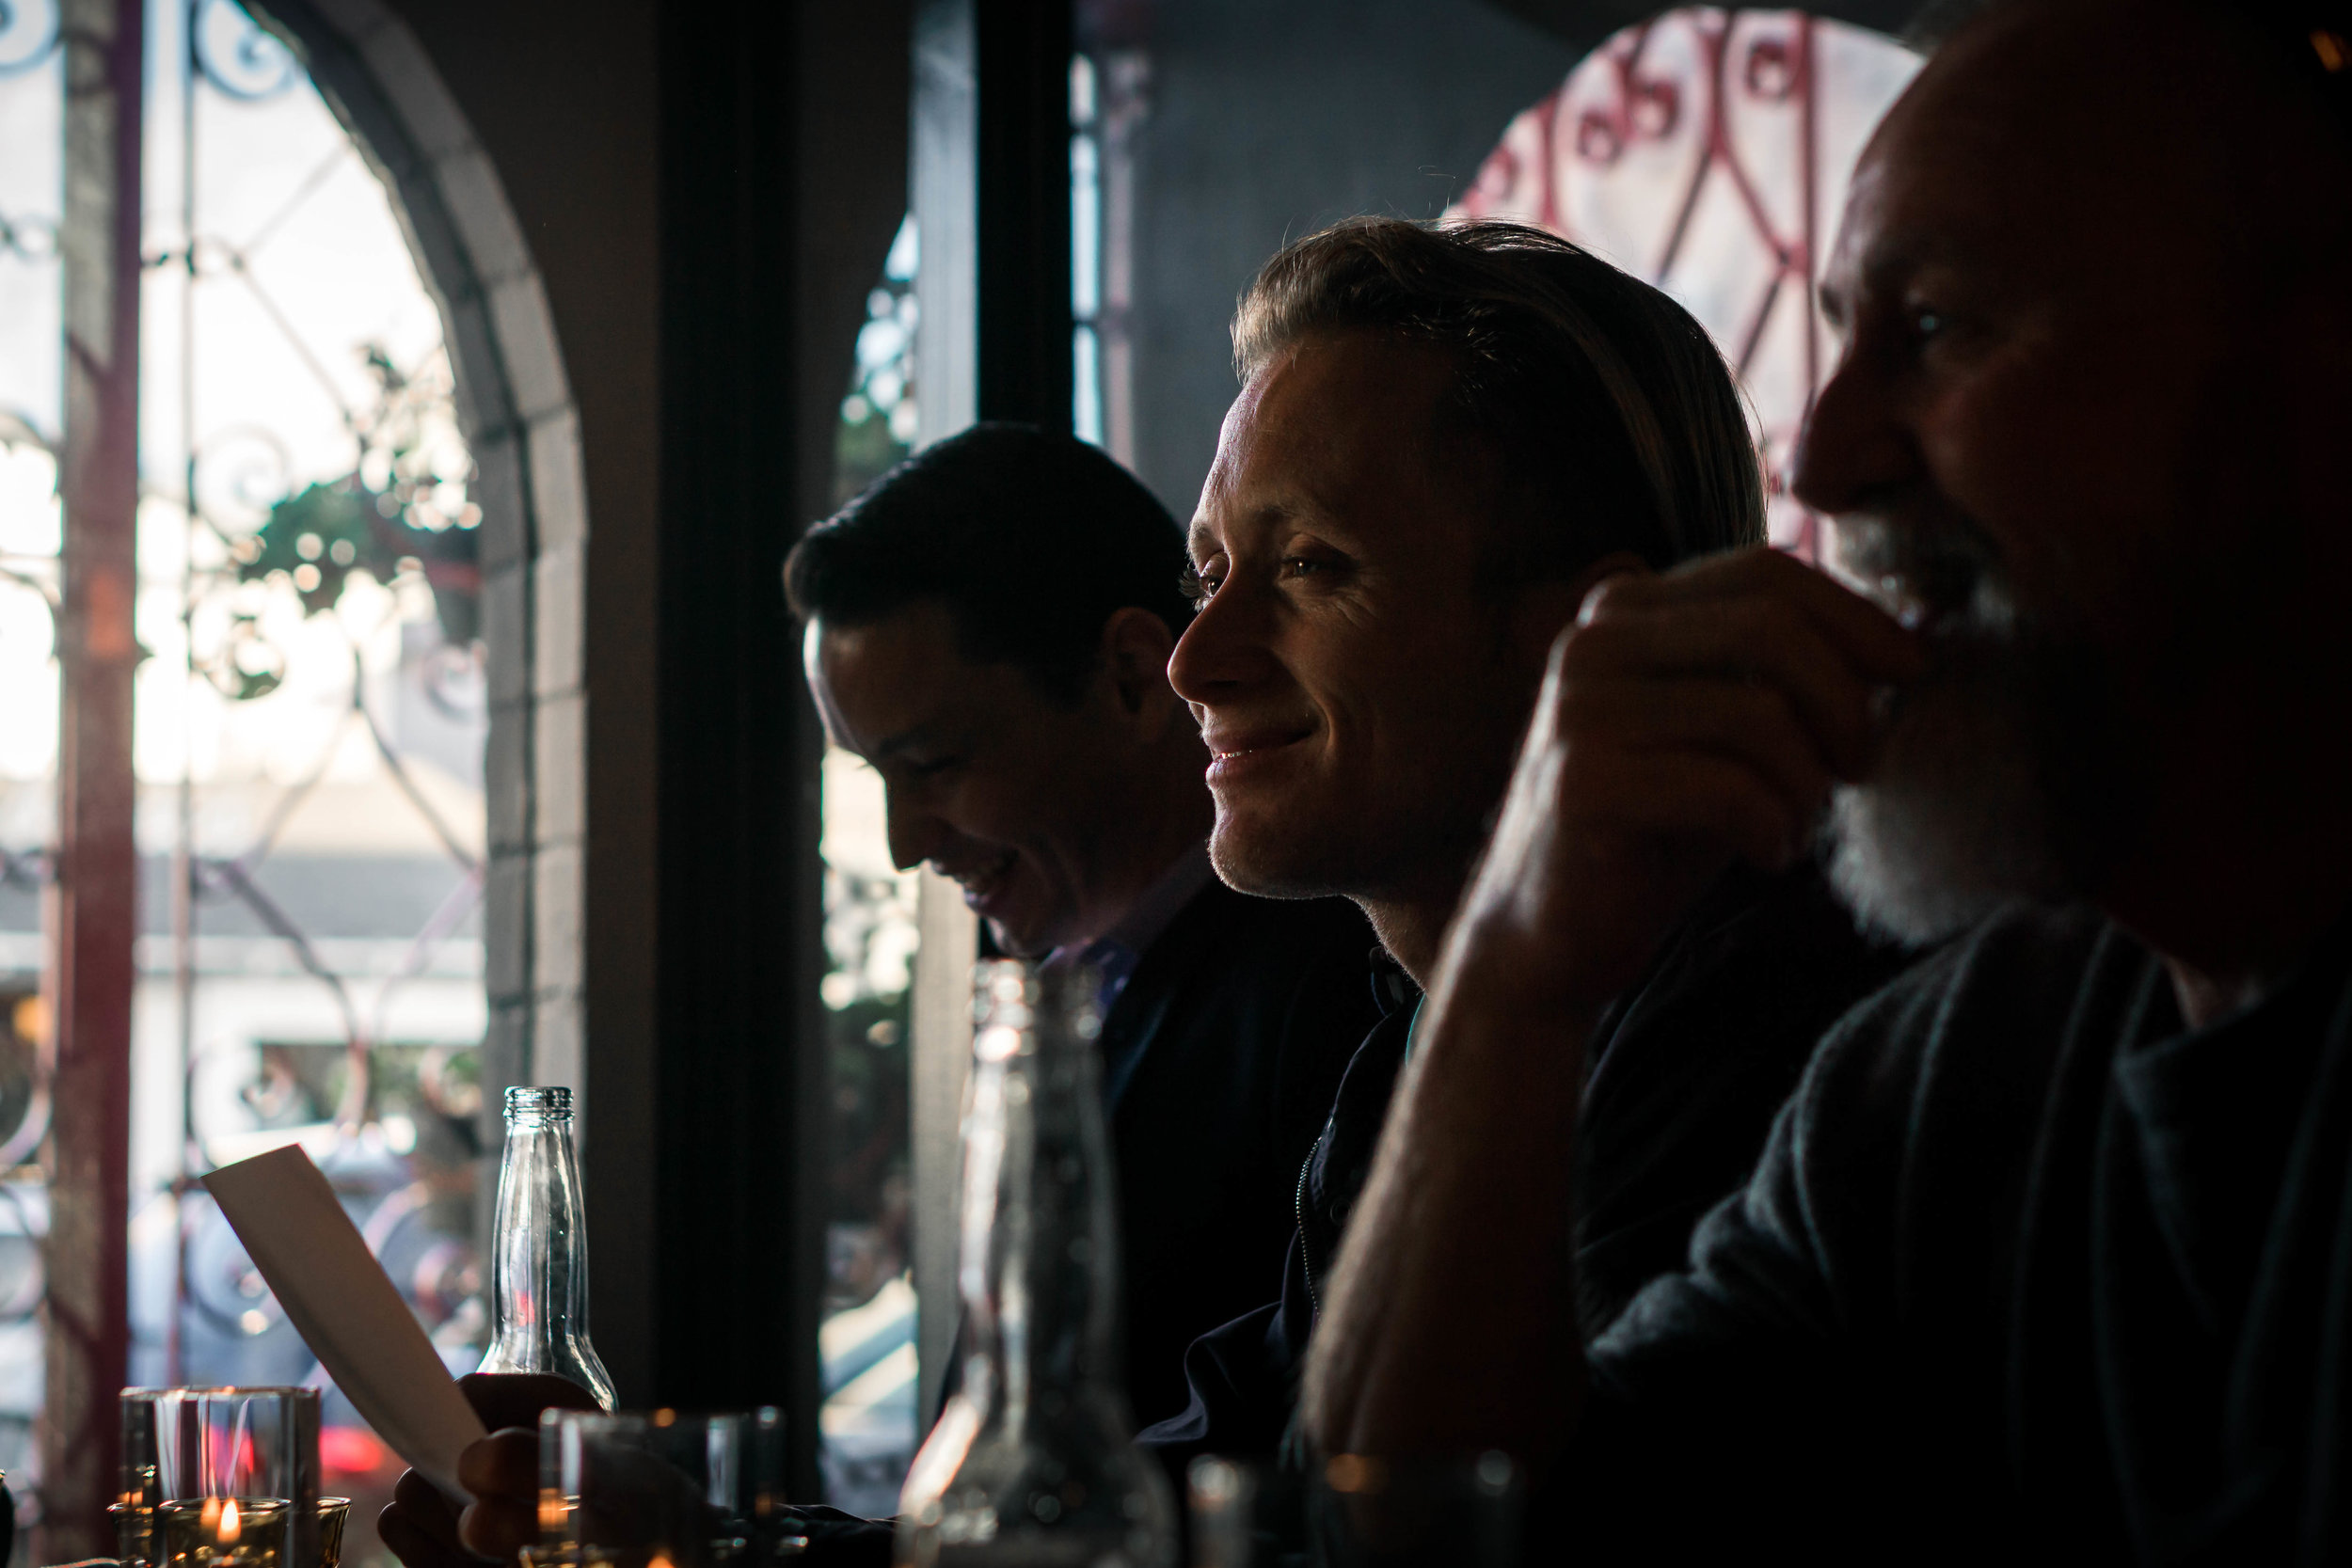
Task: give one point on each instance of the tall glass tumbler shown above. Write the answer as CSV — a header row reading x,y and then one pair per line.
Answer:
x,y
221,1478
662,1489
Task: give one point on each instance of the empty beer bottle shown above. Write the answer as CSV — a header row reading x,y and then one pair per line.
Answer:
x,y
539,1259
1031,1463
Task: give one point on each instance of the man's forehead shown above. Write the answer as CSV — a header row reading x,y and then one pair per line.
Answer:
x,y
1881,245
875,679
2033,143
1327,418
2042,99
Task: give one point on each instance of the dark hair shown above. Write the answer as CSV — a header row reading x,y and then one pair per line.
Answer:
x,y
1612,411
1032,540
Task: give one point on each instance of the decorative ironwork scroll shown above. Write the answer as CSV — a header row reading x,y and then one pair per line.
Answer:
x,y
1707,150
30,30
307,603
236,57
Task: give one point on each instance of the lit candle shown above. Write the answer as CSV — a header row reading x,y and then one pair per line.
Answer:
x,y
223,1532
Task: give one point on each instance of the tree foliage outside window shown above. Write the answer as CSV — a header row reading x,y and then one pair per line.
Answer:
x,y
877,426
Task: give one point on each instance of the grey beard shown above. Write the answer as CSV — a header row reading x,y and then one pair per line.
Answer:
x,y
1953,825
1977,801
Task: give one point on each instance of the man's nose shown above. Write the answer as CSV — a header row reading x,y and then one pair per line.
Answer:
x,y
1223,650
1857,442
915,834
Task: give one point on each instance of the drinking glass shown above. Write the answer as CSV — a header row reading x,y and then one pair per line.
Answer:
x,y
225,1478
662,1489
1370,1513
1244,1514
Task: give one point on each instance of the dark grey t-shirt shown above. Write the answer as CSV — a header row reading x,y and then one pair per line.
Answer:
x,y
2027,1271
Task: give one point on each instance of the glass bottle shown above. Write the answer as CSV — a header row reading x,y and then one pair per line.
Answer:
x,y
1031,1463
539,1259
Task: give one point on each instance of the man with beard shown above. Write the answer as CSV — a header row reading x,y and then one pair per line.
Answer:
x,y
1445,438
2050,1256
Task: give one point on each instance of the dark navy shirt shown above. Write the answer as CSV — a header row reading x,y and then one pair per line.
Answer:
x,y
1220,1056
1220,1052
1684,1075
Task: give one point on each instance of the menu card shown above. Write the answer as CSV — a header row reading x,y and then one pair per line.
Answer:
x,y
343,1304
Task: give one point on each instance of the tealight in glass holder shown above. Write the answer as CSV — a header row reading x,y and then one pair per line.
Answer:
x,y
662,1489
224,1477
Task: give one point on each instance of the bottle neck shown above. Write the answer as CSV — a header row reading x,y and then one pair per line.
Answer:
x,y
539,1262
1039,1268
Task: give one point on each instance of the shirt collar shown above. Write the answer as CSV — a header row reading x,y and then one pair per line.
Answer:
x,y
1117,949
1392,989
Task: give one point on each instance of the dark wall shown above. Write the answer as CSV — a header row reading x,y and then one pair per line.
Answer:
x,y
565,99
1268,121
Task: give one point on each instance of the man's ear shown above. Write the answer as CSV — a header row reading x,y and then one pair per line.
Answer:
x,y
1137,647
1544,609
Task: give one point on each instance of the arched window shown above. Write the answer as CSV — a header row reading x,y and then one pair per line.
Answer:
x,y
356,537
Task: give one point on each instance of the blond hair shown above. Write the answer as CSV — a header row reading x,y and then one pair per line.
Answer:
x,y
1604,398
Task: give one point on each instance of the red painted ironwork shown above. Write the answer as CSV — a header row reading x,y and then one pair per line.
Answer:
x,y
1702,76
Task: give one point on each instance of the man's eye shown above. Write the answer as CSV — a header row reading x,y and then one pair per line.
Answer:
x,y
1196,585
1924,321
931,767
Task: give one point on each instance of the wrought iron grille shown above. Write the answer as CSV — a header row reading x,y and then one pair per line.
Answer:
x,y
31,396
1707,150
310,719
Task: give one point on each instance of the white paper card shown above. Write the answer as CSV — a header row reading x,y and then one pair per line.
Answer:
x,y
343,1304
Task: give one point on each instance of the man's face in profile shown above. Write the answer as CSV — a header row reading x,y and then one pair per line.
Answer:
x,y
2045,444
1351,676
988,778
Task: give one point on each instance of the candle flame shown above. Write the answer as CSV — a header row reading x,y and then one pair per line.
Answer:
x,y
229,1528
210,1516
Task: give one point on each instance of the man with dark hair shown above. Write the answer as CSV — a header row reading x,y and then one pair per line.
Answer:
x,y
1033,542
1445,438
2050,1256
989,626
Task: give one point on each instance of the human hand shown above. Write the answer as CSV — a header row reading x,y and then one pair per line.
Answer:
x,y
425,1529
639,1492
1687,720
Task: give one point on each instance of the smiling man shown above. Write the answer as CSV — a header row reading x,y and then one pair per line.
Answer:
x,y
989,627
2050,1256
1445,438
